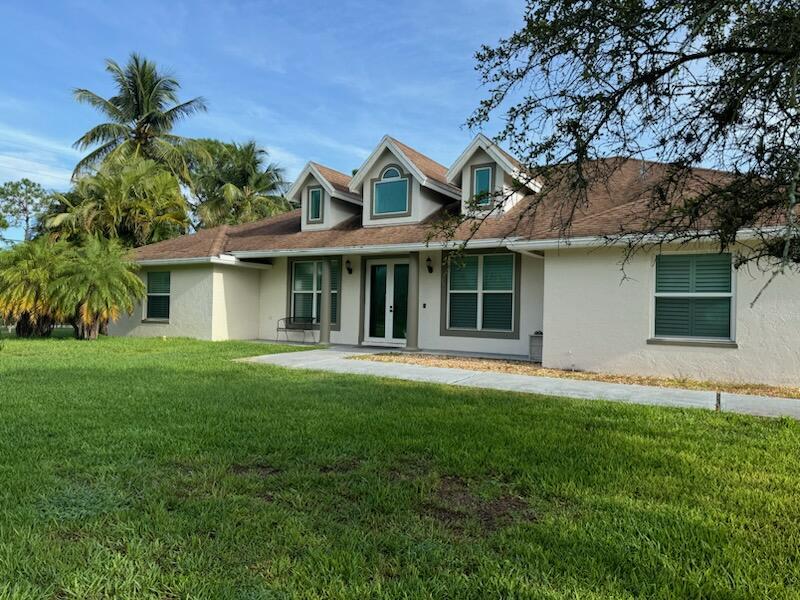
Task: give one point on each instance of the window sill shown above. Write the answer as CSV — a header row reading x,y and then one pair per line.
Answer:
x,y
160,321
702,343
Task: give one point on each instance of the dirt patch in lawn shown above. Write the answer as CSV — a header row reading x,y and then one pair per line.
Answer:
x,y
454,505
526,368
344,465
259,470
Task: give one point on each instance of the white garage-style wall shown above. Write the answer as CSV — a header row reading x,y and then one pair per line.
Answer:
x,y
596,321
236,314
430,297
191,292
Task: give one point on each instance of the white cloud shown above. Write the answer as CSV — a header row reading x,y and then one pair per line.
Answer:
x,y
50,176
12,138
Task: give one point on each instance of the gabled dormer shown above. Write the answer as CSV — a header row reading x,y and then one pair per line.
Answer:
x,y
489,176
399,185
324,197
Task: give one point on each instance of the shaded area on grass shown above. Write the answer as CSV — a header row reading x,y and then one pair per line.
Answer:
x,y
156,469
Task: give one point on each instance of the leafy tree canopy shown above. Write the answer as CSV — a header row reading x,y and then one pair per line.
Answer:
x,y
237,185
686,83
96,283
141,116
27,272
130,199
22,204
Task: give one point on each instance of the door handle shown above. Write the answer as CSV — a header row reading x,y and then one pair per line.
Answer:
x,y
391,308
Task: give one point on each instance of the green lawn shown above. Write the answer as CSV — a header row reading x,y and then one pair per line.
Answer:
x,y
162,469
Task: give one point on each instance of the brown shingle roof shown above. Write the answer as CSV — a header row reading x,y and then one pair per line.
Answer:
x,y
616,203
429,167
338,180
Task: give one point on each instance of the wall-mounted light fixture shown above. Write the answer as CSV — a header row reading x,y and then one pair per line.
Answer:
x,y
349,266
429,264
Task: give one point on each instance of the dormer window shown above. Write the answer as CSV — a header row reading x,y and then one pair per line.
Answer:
x,y
482,185
390,194
314,205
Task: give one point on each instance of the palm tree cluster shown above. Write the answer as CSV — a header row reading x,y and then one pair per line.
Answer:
x,y
44,282
139,183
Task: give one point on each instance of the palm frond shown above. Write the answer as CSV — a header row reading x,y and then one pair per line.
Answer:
x,y
107,107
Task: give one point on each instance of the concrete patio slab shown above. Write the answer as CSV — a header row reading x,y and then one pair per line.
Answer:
x,y
339,361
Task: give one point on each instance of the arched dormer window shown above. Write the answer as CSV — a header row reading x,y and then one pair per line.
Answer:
x,y
390,193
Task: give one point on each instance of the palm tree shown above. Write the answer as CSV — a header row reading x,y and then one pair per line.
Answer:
x,y
141,117
96,285
133,200
239,186
27,272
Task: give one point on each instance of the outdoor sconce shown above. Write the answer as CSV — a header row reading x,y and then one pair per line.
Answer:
x,y
429,264
349,266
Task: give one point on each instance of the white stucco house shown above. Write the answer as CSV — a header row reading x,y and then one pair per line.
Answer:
x,y
355,265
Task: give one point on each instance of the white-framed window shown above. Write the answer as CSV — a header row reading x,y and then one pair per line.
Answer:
x,y
694,296
480,292
307,290
390,193
315,204
482,178
157,304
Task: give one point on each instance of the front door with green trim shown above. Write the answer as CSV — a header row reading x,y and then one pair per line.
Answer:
x,y
386,295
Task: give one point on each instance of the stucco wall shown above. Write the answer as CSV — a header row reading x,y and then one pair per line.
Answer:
x,y
531,307
191,290
236,303
593,320
424,202
334,210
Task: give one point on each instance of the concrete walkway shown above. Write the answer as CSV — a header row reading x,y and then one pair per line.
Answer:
x,y
338,361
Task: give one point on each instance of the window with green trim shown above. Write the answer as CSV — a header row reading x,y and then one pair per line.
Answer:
x,y
314,204
480,292
694,295
482,185
307,290
390,194
158,294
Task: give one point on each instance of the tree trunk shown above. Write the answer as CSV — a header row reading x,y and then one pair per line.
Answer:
x,y
24,327
104,327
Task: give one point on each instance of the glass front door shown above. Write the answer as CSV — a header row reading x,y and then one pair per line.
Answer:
x,y
387,301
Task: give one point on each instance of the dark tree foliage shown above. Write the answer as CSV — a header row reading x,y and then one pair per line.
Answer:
x,y
691,83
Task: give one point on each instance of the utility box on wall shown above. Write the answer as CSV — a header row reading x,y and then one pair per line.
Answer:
x,y
535,351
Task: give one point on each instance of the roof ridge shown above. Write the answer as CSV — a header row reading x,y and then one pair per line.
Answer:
x,y
219,241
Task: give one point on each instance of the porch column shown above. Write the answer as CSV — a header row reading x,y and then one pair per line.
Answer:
x,y
412,320
325,304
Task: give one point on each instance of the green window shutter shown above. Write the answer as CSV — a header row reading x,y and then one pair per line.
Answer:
x,y
334,307
158,282
303,307
498,272
497,309
303,276
464,273
674,273
464,311
158,307
712,273
673,317
314,204
391,197
711,317
335,274
483,185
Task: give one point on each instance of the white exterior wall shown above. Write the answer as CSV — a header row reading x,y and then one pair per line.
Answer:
x,y
191,292
334,210
503,183
424,202
430,297
235,304
594,321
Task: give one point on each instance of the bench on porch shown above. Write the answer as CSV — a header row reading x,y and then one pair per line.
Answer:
x,y
304,324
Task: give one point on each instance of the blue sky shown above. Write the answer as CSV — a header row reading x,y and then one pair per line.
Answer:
x,y
308,80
